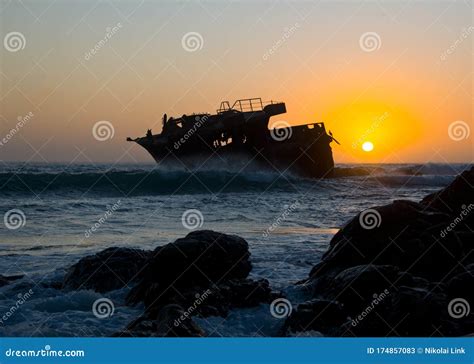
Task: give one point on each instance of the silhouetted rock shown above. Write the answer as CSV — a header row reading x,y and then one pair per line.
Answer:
x,y
203,274
194,263
455,197
170,321
317,315
110,269
356,286
4,280
397,272
402,311
461,284
408,236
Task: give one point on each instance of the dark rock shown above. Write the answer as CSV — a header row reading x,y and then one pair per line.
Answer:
x,y
245,292
357,286
203,274
461,284
4,280
170,321
194,263
110,269
401,240
455,197
406,311
236,293
318,315
398,277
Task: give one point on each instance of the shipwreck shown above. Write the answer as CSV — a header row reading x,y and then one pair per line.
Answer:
x,y
243,130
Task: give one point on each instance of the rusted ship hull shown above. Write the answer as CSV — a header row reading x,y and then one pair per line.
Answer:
x,y
242,132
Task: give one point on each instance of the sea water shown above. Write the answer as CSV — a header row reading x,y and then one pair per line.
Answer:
x,y
68,211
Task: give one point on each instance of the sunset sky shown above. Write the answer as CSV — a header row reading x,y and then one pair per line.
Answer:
x,y
401,90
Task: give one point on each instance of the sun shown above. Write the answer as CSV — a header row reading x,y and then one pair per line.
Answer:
x,y
367,146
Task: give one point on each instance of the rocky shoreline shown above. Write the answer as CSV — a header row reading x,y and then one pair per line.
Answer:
x,y
403,269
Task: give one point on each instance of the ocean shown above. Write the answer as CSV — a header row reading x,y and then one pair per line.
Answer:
x,y
54,214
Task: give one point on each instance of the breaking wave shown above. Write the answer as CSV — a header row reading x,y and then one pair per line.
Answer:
x,y
126,180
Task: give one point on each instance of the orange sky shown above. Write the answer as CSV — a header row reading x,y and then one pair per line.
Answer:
x,y
402,95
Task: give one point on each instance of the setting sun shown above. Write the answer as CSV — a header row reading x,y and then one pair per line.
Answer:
x,y
367,147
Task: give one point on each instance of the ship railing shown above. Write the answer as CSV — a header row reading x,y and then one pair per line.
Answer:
x,y
244,105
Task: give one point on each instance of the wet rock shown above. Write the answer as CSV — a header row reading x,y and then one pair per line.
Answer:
x,y
396,274
194,263
4,280
405,311
238,293
316,315
170,321
203,274
110,269
455,197
408,236
357,286
460,285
